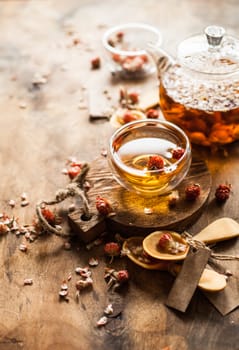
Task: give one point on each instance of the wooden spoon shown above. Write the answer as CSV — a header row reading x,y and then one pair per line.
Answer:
x,y
219,230
210,280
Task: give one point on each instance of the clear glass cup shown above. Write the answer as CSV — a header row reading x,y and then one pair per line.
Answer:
x,y
134,147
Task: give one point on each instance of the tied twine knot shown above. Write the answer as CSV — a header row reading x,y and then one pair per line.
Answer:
x,y
194,243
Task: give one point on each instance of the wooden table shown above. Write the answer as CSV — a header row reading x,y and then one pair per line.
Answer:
x,y
45,75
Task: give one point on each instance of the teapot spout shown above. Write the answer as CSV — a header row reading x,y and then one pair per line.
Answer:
x,y
161,58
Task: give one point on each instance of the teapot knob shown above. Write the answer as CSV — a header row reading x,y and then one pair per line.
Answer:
x,y
214,35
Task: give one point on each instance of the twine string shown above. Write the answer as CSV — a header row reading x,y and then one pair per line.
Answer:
x,y
71,190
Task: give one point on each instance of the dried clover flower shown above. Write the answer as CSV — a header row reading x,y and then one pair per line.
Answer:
x,y
103,205
222,193
192,191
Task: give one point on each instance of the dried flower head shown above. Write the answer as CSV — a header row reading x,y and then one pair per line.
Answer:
x,y
192,191
49,216
152,113
95,63
103,205
177,153
155,163
222,193
122,276
112,249
165,241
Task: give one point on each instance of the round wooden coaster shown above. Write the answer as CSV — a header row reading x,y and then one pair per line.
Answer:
x,y
131,217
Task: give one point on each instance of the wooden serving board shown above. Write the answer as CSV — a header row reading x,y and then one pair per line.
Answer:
x,y
130,218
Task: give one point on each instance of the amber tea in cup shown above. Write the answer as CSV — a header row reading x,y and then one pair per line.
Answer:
x,y
149,157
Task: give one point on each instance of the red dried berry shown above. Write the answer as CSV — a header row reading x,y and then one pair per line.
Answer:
x,y
95,63
192,191
120,36
103,205
155,163
73,171
133,97
129,117
152,113
222,193
49,216
112,249
122,276
165,241
177,153
3,228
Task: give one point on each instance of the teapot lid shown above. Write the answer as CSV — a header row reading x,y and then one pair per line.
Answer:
x,y
213,52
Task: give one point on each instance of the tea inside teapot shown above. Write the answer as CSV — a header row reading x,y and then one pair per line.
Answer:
x,y
200,91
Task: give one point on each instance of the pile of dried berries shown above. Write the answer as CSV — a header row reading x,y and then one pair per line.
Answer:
x,y
222,193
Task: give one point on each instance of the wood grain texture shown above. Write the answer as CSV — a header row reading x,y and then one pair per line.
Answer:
x,y
43,124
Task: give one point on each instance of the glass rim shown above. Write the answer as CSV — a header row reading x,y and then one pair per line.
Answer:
x,y
136,25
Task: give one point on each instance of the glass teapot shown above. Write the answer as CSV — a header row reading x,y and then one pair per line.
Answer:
x,y
200,90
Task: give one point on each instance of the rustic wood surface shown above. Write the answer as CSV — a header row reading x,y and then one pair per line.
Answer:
x,y
45,52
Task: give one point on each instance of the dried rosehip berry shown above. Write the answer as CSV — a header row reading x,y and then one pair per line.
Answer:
x,y
103,205
222,193
129,117
3,228
152,113
120,36
133,97
165,241
73,171
49,216
192,191
95,63
155,163
122,276
177,153
112,249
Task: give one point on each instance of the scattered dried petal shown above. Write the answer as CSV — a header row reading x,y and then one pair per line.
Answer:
x,y
64,286
23,196
24,203
63,293
173,198
12,203
148,211
23,247
28,281
109,309
93,262
102,321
